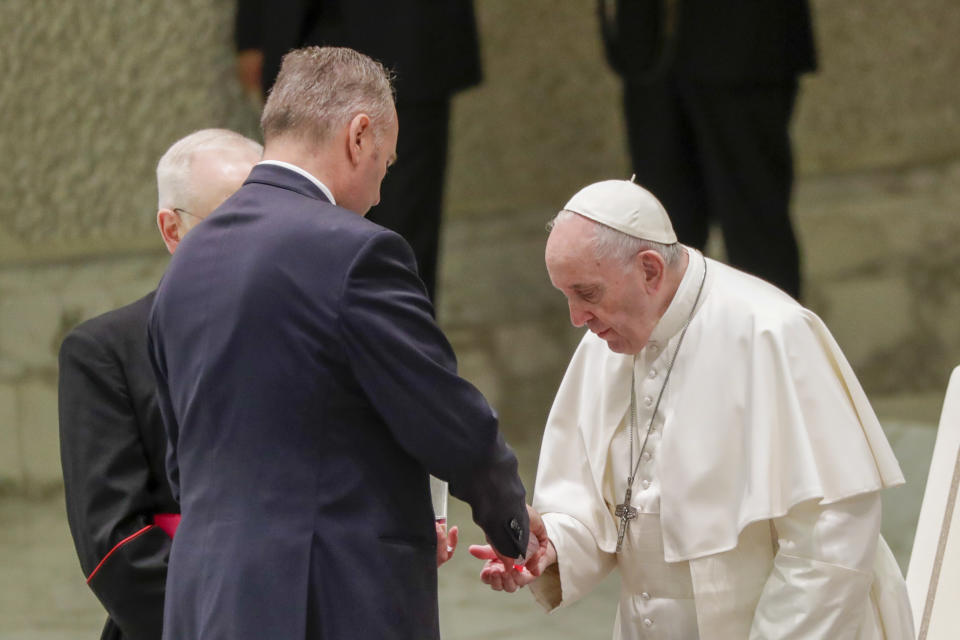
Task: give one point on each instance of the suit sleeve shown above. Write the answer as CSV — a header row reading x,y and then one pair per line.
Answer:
x,y
106,475
408,371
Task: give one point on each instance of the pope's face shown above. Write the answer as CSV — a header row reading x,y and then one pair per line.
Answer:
x,y
605,295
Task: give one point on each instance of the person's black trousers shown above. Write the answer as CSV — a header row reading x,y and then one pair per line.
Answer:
x,y
720,153
411,197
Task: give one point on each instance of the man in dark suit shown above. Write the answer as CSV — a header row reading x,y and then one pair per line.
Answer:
x,y
308,392
119,504
708,90
431,47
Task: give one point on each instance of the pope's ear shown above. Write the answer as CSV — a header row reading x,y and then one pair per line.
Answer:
x,y
652,266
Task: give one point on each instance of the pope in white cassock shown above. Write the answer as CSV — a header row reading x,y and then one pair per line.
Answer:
x,y
710,441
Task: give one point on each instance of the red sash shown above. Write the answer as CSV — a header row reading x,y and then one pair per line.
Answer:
x,y
168,522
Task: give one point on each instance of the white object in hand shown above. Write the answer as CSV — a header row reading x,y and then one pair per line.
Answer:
x,y
438,492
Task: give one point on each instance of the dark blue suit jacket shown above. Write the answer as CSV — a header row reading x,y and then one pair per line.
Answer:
x,y
307,393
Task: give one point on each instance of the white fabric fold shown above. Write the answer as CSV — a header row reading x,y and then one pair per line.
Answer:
x,y
762,412
768,466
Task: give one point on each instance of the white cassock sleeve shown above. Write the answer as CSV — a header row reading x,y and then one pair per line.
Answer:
x,y
820,583
580,566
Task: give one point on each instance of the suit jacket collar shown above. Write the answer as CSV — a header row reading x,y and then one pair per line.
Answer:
x,y
276,176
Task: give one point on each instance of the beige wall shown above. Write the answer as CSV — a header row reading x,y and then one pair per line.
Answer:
x,y
93,92
885,94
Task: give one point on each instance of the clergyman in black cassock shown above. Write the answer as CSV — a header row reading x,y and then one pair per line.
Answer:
x,y
120,507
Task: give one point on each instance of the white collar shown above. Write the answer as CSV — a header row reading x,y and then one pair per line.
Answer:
x,y
681,307
306,174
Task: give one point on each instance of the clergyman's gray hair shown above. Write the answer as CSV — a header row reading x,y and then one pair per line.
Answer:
x,y
610,243
175,185
320,89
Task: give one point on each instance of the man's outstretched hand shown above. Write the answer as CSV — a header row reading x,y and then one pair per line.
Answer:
x,y
499,572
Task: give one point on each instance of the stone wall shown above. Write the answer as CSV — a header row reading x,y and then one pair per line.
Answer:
x,y
39,304
93,92
91,95
883,96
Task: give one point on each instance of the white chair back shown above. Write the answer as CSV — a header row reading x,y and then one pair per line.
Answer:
x,y
933,577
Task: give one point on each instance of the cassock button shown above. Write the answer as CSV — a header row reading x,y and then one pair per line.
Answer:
x,y
646,455
653,348
648,401
646,484
644,596
647,622
652,374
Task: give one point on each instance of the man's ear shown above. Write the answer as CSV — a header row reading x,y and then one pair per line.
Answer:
x,y
652,268
169,224
359,137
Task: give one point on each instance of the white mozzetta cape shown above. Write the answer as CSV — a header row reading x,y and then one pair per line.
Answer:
x,y
761,413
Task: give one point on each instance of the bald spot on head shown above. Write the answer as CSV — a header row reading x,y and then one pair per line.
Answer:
x,y
196,174
216,175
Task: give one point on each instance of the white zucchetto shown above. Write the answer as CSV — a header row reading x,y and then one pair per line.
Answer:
x,y
626,207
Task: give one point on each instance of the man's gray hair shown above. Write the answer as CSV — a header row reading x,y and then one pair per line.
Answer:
x,y
175,186
320,89
611,243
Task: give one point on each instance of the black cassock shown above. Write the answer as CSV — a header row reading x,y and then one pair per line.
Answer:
x,y
112,446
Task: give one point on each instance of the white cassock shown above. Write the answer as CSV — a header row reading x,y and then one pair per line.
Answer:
x,y
757,488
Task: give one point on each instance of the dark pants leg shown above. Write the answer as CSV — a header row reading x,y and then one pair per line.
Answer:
x,y
663,151
411,197
744,145
721,153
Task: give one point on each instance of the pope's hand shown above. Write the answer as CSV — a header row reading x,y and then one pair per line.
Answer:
x,y
499,572
446,542
538,535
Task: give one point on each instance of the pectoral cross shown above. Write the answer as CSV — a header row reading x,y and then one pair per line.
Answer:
x,y
626,513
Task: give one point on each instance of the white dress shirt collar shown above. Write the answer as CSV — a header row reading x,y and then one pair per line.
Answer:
x,y
306,174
